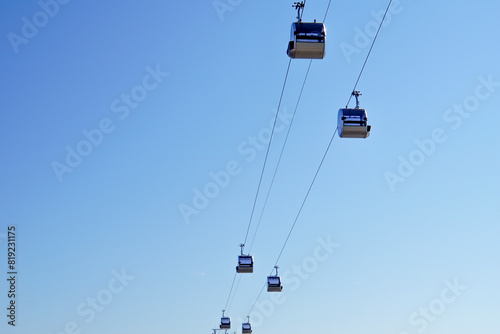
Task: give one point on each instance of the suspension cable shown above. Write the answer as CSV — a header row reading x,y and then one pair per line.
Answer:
x,y
261,175
277,166
275,171
256,299
267,153
307,195
287,134
232,284
370,51
300,210
234,294
281,154
327,9
322,160
327,149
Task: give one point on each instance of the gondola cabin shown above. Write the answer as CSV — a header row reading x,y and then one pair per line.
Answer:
x,y
352,123
307,40
274,284
245,264
225,323
246,328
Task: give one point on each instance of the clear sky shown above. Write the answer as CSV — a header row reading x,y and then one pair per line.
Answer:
x,y
134,135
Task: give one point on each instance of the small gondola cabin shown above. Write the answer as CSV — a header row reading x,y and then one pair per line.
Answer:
x,y
246,328
274,284
225,323
245,264
353,123
307,40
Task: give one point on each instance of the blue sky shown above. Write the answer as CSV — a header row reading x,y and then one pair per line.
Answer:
x,y
118,115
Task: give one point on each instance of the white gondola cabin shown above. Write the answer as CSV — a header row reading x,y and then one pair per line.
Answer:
x,y
245,262
307,39
353,123
225,322
274,282
246,327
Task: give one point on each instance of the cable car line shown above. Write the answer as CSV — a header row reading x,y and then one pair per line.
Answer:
x,y
257,299
369,52
248,267
289,128
279,160
261,175
278,163
307,195
260,180
267,153
281,154
232,284
234,294
350,129
287,134
296,217
354,93
327,9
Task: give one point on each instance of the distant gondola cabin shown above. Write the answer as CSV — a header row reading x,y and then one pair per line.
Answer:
x,y
245,264
246,328
274,284
225,323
